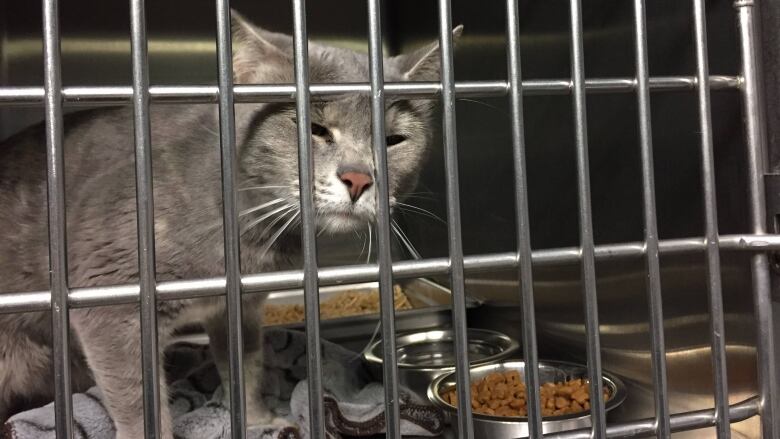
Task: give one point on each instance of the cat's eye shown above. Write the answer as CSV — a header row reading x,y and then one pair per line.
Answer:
x,y
394,139
319,130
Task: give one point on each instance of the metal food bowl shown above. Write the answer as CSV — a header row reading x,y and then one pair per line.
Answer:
x,y
423,356
489,427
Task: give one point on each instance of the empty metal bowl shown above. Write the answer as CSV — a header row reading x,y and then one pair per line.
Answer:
x,y
490,427
422,356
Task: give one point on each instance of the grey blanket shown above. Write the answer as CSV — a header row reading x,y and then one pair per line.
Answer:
x,y
354,404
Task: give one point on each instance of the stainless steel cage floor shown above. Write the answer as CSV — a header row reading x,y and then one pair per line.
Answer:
x,y
53,97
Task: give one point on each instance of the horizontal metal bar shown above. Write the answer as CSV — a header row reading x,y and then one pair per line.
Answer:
x,y
189,94
679,422
281,280
626,85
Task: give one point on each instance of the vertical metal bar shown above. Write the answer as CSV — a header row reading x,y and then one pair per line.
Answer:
x,y
658,350
715,296
58,251
753,110
308,221
227,138
525,265
588,265
387,306
457,279
145,207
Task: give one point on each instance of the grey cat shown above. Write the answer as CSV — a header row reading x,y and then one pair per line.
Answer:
x,y
101,213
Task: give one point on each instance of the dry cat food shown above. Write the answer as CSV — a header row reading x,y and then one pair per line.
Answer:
x,y
348,303
503,394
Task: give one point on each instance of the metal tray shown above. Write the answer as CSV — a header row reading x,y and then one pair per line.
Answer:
x,y
431,302
431,310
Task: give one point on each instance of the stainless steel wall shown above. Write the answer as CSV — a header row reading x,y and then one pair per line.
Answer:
x,y
182,51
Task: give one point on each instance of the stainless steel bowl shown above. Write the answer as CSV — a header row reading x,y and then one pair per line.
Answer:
x,y
489,427
423,356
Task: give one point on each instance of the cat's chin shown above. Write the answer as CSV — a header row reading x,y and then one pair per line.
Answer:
x,y
343,222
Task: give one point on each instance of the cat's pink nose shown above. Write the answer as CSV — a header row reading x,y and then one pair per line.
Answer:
x,y
356,183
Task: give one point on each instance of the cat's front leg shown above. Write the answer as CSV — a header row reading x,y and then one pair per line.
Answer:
x,y
216,326
111,339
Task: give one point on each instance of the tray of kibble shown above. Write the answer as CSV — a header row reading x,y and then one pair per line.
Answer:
x,y
350,313
352,302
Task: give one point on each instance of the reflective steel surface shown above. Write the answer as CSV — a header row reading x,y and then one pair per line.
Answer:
x,y
423,356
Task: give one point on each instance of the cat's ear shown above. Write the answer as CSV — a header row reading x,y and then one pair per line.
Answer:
x,y
424,63
255,56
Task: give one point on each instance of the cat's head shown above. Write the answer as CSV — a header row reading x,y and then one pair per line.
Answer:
x,y
344,190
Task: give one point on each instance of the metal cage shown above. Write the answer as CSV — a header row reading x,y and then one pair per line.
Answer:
x,y
148,292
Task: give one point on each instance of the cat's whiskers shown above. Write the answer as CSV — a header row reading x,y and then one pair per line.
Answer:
x,y
272,240
251,188
284,209
421,194
420,197
418,210
275,221
363,247
208,129
324,227
484,104
260,207
370,233
405,240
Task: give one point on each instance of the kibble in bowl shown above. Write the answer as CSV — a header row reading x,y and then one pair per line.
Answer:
x,y
499,398
504,394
